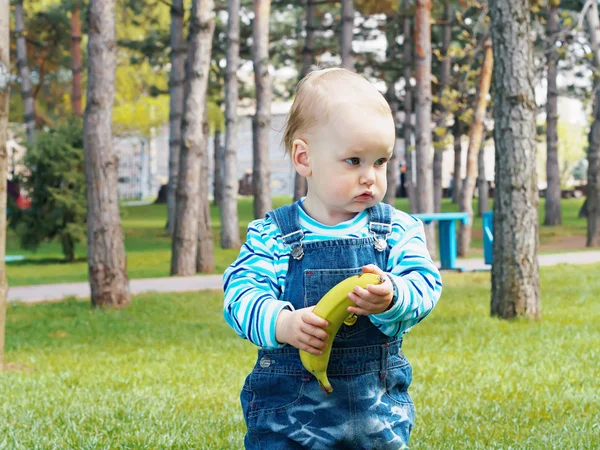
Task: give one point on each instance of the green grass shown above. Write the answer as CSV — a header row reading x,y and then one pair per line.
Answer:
x,y
166,372
148,245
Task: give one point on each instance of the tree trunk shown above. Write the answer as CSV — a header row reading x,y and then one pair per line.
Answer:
x,y
107,268
444,80
217,168
205,259
484,191
347,35
261,122
407,58
300,185
553,211
457,131
76,65
4,95
26,88
176,80
422,41
475,138
393,168
230,230
515,271
193,148
593,186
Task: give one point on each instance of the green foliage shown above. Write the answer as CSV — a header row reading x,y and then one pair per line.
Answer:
x,y
56,187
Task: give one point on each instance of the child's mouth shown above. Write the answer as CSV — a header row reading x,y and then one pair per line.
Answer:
x,y
364,197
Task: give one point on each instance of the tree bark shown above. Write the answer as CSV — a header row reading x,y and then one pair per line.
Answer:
x,y
393,168
422,41
475,138
76,65
553,212
407,58
176,80
515,271
457,131
217,168
26,88
593,186
261,122
444,81
193,148
107,268
205,259
230,230
4,96
483,204
347,35
300,185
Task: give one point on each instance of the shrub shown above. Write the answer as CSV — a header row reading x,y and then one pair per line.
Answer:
x,y
55,183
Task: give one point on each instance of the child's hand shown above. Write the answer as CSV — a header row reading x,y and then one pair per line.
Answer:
x,y
376,298
302,329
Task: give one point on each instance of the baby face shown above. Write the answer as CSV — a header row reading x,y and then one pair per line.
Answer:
x,y
348,160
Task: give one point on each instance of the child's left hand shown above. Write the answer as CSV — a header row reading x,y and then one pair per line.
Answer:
x,y
376,299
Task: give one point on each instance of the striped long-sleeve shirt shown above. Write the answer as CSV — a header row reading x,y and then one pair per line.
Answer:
x,y
254,284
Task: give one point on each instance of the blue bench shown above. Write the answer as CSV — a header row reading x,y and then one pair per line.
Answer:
x,y
488,236
446,235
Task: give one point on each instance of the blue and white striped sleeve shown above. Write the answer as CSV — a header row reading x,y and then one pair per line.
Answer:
x,y
251,288
417,280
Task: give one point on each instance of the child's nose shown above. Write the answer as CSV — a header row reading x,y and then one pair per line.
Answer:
x,y
368,176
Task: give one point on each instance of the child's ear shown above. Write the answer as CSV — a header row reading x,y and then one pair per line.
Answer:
x,y
300,158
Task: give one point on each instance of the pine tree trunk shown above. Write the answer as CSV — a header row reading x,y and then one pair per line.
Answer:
x,y
188,203
515,271
553,211
230,230
205,260
261,122
347,35
300,185
217,169
76,65
423,148
107,268
444,81
4,96
484,191
176,81
407,59
475,138
593,186
26,88
393,168
457,131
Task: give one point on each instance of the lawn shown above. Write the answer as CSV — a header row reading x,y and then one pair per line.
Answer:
x,y
148,245
166,372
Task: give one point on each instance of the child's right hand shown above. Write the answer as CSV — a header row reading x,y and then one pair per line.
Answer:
x,y
302,329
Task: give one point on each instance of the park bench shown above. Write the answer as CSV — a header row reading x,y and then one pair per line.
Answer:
x,y
446,235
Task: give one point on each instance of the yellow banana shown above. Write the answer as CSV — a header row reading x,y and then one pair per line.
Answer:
x,y
333,307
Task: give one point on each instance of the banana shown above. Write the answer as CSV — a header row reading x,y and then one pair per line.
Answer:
x,y
333,307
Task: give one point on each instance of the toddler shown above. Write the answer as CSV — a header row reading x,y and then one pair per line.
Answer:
x,y
340,135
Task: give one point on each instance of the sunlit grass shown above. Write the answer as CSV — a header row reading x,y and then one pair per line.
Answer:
x,y
166,372
148,245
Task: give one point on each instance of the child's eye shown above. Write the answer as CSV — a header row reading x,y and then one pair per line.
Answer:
x,y
353,161
380,161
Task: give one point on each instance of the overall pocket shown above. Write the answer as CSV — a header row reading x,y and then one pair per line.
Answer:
x,y
398,378
317,282
273,393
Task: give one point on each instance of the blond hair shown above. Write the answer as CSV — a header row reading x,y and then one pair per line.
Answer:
x,y
320,90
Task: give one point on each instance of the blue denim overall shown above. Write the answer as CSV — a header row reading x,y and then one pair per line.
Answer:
x,y
369,408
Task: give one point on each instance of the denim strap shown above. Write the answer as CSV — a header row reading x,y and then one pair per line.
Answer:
x,y
287,220
380,221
